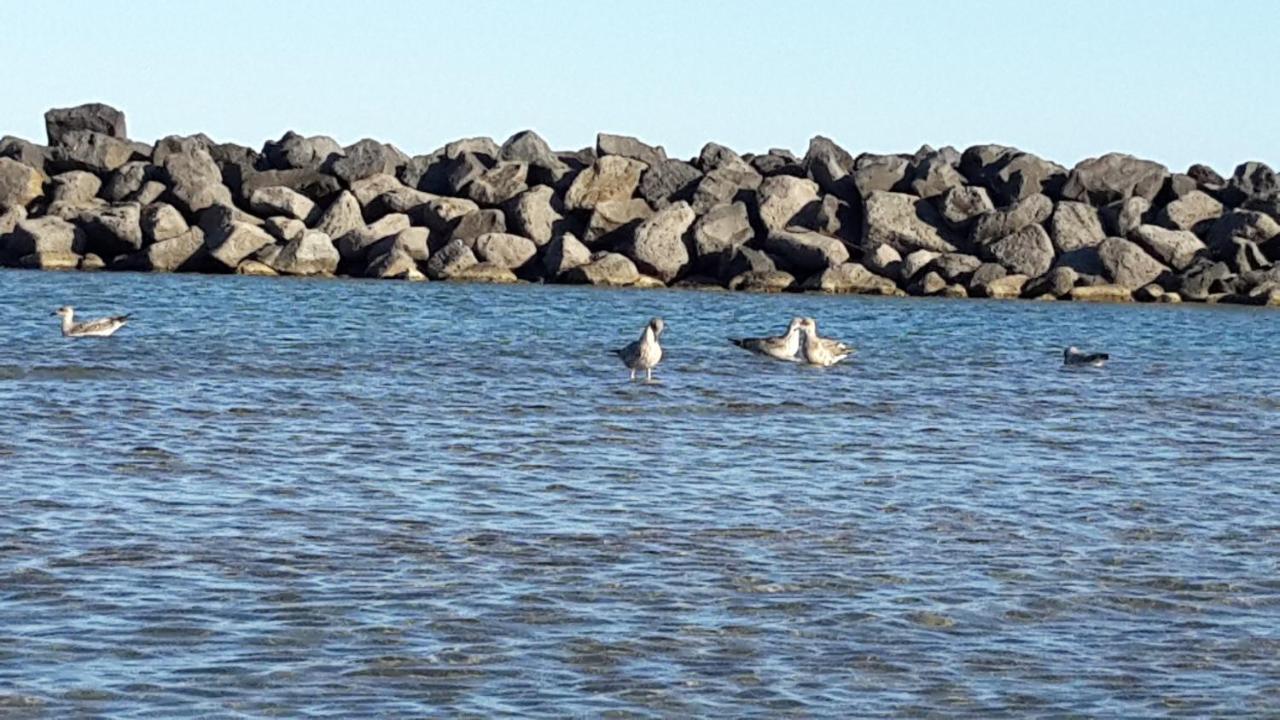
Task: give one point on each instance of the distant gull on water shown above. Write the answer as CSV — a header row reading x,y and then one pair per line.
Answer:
x,y
781,347
817,350
1072,357
645,353
102,327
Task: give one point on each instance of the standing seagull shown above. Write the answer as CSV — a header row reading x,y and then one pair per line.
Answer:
x,y
819,350
645,353
102,327
1074,358
781,347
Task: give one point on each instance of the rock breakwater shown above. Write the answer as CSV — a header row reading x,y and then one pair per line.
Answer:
x,y
991,221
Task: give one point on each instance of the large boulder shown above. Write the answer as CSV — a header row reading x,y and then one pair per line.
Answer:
x,y
161,221
934,176
721,229
1028,251
365,158
564,253
1251,181
278,200
480,222
450,260
311,254
128,179
412,240
395,264
1113,177
851,278
24,151
442,214
1175,248
883,260
532,214
92,117
980,163
1085,262
195,183
629,147
658,247
396,199
354,246
959,206
1124,216
182,253
718,157
806,252
320,187
669,181
1194,211
721,185
778,161
76,187
1032,210
785,200
113,230
499,184
1057,283
1020,175
607,269
528,147
1240,226
615,219
504,250
1109,293
369,188
1074,225
1127,264
763,281
295,152
880,173
20,185
91,151
915,262
341,216
230,241
610,178
905,223
955,267
45,235
830,166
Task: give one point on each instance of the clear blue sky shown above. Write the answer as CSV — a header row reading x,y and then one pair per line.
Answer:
x,y
1176,81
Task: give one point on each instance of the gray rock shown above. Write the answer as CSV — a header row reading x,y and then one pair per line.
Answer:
x,y
1202,280
127,180
931,283
916,261
832,216
182,253
785,201
178,145
311,254
19,185
113,230
284,229
905,223
354,246
880,173
564,253
499,184
807,252
1004,287
959,206
1028,251
450,260
1245,256
1127,265
778,162
416,241
1074,225
933,176
1206,177
763,281
45,235
429,173
1032,210
850,278
504,250
955,267
1085,262
719,186
606,269
986,273
463,170
615,219
1175,248
1020,175
318,186
1251,181
230,241
533,214
1195,211
74,187
28,153
1176,186
718,157
658,247
195,184
489,150
485,273
10,216
91,151
341,216
529,147
161,221
281,201
295,152
1113,177
611,178
395,264
980,163
93,117
365,158
669,181
883,260
629,147
50,261
443,213
369,188
743,259
1244,225
398,199
480,222
1057,282
1124,216
830,166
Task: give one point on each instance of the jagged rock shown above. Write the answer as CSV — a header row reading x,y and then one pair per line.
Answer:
x,y
1102,293
28,153
1085,261
916,261
488,150
533,215
450,260
74,187
720,186
608,269
91,151
763,281
1148,293
354,246
1074,225
480,222
504,250
151,191
341,216
484,272
19,185
1245,256
499,184
1032,210
669,181
1020,175
615,216
181,253
721,229
177,144
396,200
1195,211
318,186
1203,279
284,229
658,247
1175,248
1113,177
1251,181
830,166
1057,283
45,235
369,188
851,278
429,173
311,254
127,180
544,167
831,216
1005,287
564,253
50,261
195,183
10,216
718,157
1240,225
295,152
807,252
931,283
267,254
905,223
416,241
1122,217
986,273
113,230
743,259
783,201
1206,177
1127,265
1177,185
629,147
611,178
778,162
955,267
980,163
883,260
443,213
879,173
961,205
281,201
934,176
230,241
395,264
364,159
94,117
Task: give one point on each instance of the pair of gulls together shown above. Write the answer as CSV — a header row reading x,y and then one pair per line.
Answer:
x,y
800,343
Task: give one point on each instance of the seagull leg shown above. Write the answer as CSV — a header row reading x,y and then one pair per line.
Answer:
x,y
648,374
633,374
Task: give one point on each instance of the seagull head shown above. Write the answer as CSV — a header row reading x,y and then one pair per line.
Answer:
x,y
62,311
795,325
657,326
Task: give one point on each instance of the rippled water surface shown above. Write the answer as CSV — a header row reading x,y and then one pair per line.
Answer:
x,y
272,497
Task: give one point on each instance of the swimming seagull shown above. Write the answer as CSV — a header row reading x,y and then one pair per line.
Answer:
x,y
817,350
645,353
781,347
1073,357
102,327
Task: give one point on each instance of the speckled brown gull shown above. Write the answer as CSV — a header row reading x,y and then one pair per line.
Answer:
x,y
817,350
782,347
102,327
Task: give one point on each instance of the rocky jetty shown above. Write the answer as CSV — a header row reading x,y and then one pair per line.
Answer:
x,y
991,221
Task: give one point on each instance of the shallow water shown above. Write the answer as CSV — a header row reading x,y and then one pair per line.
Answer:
x,y
292,498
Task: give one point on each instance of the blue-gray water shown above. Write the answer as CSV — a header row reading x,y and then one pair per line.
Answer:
x,y
271,497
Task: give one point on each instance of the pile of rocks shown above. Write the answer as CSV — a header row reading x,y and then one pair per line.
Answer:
x,y
992,221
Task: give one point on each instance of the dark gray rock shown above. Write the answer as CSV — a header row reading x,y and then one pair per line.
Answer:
x,y
767,281
281,201
721,185
955,267
1175,248
313,253
1203,279
283,229
916,261
463,170
1028,251
229,241
365,158
806,252
718,231
161,221
718,157
341,216
879,173
295,152
669,181
182,253
1020,175
1206,177
931,283
784,201
499,184
450,260
1246,225
934,175
612,178
980,163
413,241
1113,177
994,225
615,221
195,184
850,278
45,235
1196,211
443,213
528,147
480,222
832,216
128,179
1074,225
28,153
354,246
74,187
658,247
605,269
533,215
905,223
20,185
318,186
504,250
629,147
959,206
1057,282
113,230
428,173
778,162
488,150
1251,181
830,166
91,151
987,273
1084,261
883,260
1124,216
92,117
178,144
1127,264
743,259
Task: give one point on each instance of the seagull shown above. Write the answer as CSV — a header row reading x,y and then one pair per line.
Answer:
x,y
781,347
1074,358
645,353
819,350
102,327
